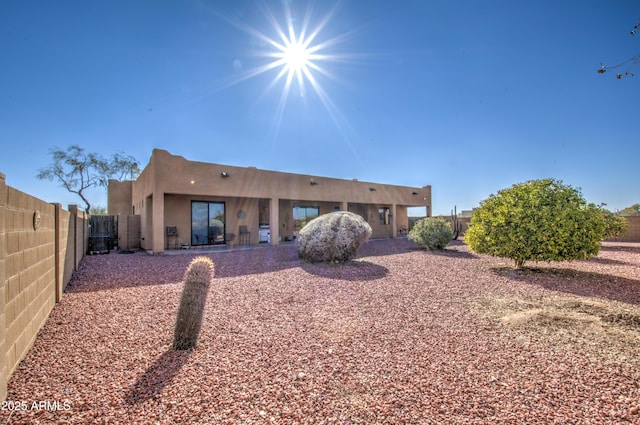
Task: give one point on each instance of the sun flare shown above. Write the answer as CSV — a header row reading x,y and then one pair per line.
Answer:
x,y
296,57
300,52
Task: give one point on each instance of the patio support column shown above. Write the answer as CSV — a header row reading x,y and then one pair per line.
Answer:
x,y
394,221
344,206
274,222
158,223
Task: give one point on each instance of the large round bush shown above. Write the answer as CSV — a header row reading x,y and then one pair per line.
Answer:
x,y
431,233
333,237
539,220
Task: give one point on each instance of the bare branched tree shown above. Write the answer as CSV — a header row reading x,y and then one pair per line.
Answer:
x,y
630,63
123,167
77,170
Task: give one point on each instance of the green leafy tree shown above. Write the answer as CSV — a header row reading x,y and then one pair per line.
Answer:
x,y
77,170
614,224
632,210
98,210
539,220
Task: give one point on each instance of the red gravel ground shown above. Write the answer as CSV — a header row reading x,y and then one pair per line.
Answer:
x,y
400,336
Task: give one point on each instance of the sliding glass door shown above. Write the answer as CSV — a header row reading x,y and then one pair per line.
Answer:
x,y
207,223
303,215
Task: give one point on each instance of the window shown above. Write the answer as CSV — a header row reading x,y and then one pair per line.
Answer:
x,y
303,215
360,209
384,215
207,223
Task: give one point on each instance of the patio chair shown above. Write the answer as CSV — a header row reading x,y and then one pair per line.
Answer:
x,y
244,236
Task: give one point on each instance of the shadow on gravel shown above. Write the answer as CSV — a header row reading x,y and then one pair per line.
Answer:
x,y
455,253
607,261
159,375
625,248
357,270
114,271
382,247
586,284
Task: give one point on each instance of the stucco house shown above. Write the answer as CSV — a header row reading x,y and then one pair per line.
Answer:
x,y
183,203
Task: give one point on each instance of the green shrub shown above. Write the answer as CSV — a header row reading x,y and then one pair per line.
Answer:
x,y
614,225
539,220
333,237
194,296
431,233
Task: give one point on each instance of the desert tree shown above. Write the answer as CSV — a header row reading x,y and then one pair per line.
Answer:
x,y
78,170
123,167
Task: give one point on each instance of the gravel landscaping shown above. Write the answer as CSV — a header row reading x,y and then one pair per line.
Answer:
x,y
399,336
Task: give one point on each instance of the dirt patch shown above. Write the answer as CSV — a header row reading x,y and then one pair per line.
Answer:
x,y
601,329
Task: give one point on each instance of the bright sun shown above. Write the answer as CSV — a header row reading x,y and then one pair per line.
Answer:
x,y
296,53
296,57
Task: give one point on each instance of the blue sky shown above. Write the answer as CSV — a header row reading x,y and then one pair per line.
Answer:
x,y
469,96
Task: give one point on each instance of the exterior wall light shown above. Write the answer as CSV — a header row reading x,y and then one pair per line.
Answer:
x,y
224,174
312,182
373,189
414,193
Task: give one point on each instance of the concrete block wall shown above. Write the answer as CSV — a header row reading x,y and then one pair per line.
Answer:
x,y
633,230
3,283
464,222
34,248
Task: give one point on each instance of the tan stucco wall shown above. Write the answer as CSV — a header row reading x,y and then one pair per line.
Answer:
x,y
119,197
128,232
163,192
174,174
178,214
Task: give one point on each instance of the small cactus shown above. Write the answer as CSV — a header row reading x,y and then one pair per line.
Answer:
x,y
194,297
455,223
